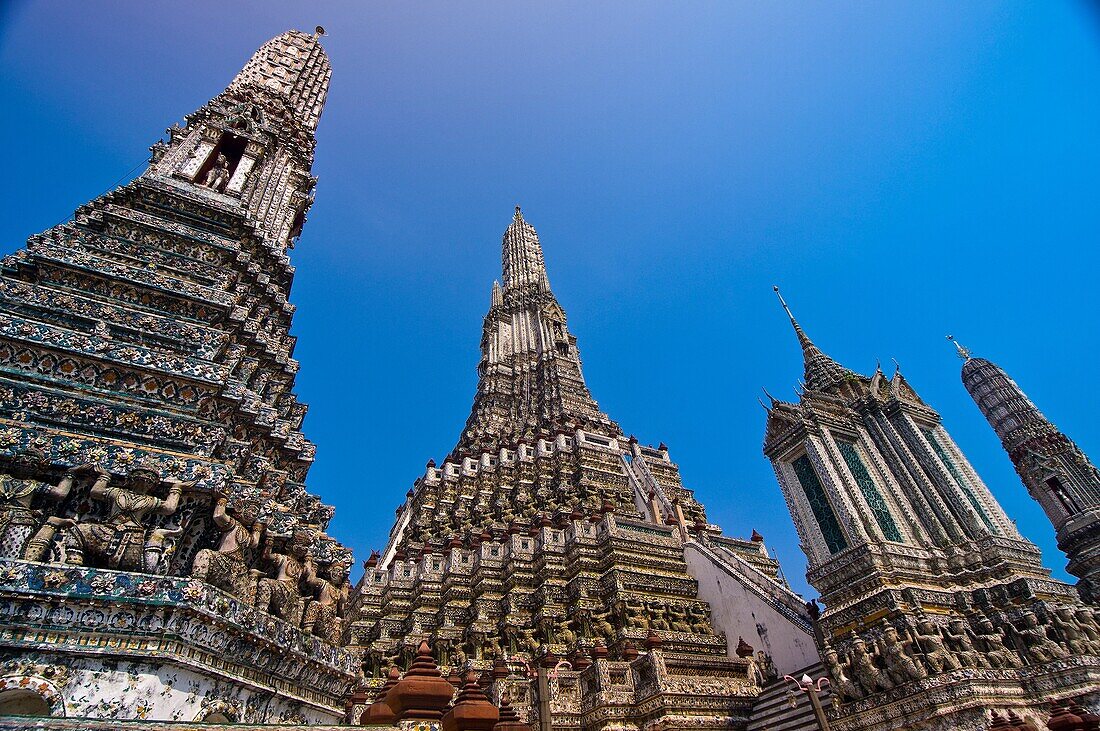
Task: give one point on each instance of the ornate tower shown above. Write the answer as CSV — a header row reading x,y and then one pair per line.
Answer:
x,y
567,556
150,440
1054,470
923,576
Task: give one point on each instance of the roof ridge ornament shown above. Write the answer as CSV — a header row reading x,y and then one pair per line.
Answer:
x,y
962,351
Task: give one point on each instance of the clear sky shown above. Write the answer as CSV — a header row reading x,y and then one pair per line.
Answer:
x,y
902,170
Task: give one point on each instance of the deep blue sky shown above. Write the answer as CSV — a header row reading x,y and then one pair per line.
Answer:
x,y
902,170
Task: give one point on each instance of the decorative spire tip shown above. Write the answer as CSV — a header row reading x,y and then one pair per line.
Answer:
x,y
775,288
962,351
319,31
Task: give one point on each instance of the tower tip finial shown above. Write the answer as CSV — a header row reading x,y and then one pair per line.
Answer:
x,y
519,213
961,350
775,288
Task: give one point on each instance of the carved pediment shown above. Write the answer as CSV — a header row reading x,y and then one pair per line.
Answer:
x,y
901,390
782,420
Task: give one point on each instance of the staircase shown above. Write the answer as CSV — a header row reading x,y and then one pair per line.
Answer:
x,y
772,710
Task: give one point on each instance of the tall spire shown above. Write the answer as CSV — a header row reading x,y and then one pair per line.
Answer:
x,y
522,261
251,147
530,372
821,371
161,308
294,67
1054,469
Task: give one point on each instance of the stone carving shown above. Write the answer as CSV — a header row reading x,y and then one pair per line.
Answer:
x,y
991,644
1033,642
862,666
218,176
632,613
1087,623
600,625
489,649
766,667
678,619
227,566
933,648
700,622
839,675
123,540
19,520
961,643
899,657
324,614
280,593
1071,633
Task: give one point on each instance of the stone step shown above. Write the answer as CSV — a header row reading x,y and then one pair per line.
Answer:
x,y
772,710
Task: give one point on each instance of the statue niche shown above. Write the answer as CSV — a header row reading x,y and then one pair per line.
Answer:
x,y
19,518
123,540
227,566
324,616
280,593
222,162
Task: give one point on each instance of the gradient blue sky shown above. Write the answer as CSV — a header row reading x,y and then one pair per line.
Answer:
x,y
902,170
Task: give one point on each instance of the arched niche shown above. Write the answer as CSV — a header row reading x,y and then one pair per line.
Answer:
x,y
23,702
218,711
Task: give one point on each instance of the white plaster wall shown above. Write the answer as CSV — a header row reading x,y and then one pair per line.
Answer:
x,y
109,688
739,612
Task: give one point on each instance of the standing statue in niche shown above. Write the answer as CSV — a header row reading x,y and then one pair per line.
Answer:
x,y
864,670
1033,641
217,177
226,566
324,615
933,647
121,541
1088,626
898,655
992,645
280,595
529,643
768,671
961,643
18,519
838,675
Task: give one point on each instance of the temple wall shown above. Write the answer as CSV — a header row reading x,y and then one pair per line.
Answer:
x,y
108,688
740,611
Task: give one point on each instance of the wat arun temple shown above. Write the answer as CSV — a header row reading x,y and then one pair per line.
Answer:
x,y
164,566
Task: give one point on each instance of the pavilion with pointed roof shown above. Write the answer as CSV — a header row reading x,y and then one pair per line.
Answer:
x,y
904,540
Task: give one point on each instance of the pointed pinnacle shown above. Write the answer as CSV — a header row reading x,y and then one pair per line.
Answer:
x,y
803,338
775,288
962,351
821,371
